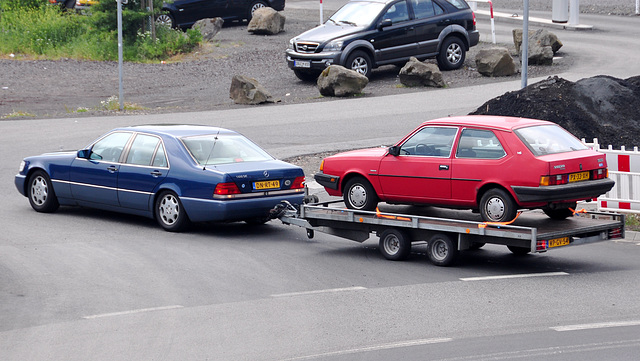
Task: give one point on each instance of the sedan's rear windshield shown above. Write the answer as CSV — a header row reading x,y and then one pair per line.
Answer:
x,y
357,13
549,139
221,149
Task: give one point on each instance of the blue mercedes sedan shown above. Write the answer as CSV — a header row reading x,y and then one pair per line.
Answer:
x,y
176,174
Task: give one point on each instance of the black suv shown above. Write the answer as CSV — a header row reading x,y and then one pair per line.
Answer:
x,y
365,34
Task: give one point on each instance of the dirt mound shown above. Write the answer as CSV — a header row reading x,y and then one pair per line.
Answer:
x,y
600,107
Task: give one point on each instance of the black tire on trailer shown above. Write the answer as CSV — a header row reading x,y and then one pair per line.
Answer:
x,y
560,213
519,251
477,245
442,250
395,245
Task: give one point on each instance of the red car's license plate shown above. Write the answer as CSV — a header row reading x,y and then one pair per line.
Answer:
x,y
577,177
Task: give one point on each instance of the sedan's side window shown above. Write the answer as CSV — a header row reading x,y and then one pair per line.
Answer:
x,y
397,12
142,149
160,160
430,141
110,148
479,144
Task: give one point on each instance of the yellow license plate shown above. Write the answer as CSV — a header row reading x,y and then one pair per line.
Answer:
x,y
577,177
274,184
559,242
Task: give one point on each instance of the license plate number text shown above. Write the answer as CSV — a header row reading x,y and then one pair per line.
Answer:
x,y
274,184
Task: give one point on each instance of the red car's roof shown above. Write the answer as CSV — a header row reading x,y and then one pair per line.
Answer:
x,y
489,121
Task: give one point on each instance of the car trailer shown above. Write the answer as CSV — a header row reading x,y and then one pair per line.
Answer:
x,y
532,232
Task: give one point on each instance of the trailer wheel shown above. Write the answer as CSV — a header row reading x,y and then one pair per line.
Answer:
x,y
442,250
395,245
519,251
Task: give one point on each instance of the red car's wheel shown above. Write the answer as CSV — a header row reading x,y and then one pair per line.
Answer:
x,y
496,205
360,195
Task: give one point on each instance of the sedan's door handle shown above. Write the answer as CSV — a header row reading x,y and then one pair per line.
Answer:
x,y
112,169
443,167
156,173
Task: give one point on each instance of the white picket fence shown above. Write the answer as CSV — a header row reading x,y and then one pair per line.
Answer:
x,y
624,169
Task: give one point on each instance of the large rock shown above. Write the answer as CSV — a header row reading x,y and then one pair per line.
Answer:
x,y
245,90
542,45
417,73
495,62
339,81
208,27
266,21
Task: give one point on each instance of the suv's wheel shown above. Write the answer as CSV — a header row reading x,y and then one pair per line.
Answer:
x,y
306,75
255,6
360,62
166,20
359,194
452,54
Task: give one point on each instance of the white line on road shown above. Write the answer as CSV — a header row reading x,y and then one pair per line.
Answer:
x,y
332,290
133,311
590,326
374,348
526,275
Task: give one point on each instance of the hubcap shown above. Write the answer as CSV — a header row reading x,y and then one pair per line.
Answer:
x,y
357,196
256,7
39,191
440,250
454,53
391,244
164,20
360,65
495,208
169,209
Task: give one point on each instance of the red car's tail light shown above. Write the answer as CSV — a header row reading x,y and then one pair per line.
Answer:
x,y
553,180
298,183
601,173
224,189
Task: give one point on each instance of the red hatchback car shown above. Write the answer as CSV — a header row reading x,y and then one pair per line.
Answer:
x,y
494,165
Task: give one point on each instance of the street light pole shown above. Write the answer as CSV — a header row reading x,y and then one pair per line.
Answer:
x,y
120,91
525,44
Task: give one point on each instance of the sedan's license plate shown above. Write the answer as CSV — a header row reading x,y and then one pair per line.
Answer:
x,y
301,64
559,242
274,184
577,177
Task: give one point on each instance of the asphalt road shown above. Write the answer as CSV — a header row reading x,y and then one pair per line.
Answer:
x,y
83,284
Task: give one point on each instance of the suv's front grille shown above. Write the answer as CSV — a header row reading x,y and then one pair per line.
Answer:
x,y
306,47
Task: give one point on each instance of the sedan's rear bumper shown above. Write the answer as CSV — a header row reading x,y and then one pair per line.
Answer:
x,y
564,192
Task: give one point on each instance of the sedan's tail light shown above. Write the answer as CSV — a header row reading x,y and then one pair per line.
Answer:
x,y
298,183
601,173
553,180
224,189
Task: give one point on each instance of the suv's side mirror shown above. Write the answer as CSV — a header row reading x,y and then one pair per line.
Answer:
x,y
385,23
394,150
84,153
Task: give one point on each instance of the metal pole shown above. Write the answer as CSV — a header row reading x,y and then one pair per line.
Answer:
x,y
120,91
574,12
321,17
637,7
525,44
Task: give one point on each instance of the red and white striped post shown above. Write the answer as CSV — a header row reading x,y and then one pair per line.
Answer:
x,y
493,26
321,17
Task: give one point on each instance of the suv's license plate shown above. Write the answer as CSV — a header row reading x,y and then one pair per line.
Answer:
x,y
577,177
559,242
301,64
266,185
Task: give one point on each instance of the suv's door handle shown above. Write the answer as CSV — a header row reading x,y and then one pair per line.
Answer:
x,y
443,167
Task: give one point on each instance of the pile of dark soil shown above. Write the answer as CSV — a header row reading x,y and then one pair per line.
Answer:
x,y
600,107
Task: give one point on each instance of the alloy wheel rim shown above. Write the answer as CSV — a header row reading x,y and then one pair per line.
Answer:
x,y
169,210
454,53
39,191
359,65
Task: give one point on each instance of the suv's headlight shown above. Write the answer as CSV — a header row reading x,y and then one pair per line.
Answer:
x,y
335,45
291,47
22,165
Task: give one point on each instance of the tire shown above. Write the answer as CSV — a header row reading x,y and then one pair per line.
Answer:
x,y
166,20
496,205
306,75
560,213
359,194
395,245
169,212
41,195
452,54
519,251
360,62
442,251
255,6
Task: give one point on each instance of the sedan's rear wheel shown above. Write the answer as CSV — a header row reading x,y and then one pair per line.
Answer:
x,y
360,195
41,195
496,205
169,212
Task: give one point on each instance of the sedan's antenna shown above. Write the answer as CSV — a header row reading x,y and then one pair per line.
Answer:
x,y
215,141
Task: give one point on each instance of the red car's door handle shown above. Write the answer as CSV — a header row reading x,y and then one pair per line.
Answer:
x,y
443,167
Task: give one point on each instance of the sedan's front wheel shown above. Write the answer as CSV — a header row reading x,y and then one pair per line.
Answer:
x,y
496,205
360,195
41,195
169,212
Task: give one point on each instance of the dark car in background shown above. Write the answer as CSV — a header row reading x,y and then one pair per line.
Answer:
x,y
365,34
184,13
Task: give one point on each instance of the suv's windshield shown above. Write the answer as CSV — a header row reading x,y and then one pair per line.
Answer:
x,y
357,13
549,139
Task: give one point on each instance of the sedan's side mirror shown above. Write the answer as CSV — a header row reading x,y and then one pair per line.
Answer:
x,y
84,153
385,23
394,151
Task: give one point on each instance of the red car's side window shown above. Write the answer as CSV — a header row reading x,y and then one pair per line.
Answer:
x,y
430,141
479,144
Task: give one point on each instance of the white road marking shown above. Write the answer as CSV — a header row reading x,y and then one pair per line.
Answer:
x,y
331,290
590,326
374,348
133,311
525,275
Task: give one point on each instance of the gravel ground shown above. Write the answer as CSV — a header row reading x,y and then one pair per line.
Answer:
x,y
201,80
